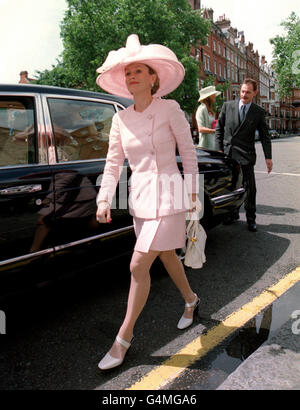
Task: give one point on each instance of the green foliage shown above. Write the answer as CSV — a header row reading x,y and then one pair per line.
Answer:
x,y
286,54
58,76
92,28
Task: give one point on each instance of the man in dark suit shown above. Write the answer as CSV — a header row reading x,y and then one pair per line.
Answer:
x,y
235,136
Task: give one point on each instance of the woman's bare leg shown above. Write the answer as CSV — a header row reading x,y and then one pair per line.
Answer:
x,y
176,271
138,295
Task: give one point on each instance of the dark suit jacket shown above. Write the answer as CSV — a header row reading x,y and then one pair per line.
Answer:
x,y
238,139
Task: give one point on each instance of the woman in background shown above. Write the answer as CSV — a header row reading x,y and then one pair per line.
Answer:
x,y
205,117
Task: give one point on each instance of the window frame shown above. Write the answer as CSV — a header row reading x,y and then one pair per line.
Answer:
x,y
48,122
39,125
42,118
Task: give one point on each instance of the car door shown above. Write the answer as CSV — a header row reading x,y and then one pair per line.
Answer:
x,y
224,192
78,130
25,182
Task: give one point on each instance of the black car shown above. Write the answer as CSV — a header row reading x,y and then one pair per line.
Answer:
x,y
53,144
274,134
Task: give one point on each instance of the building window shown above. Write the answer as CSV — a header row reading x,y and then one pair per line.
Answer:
x,y
208,63
196,4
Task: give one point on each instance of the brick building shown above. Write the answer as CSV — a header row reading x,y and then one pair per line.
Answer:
x,y
196,4
236,56
212,56
227,57
296,111
290,116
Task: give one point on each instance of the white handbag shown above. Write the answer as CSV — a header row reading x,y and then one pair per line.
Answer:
x,y
196,240
195,248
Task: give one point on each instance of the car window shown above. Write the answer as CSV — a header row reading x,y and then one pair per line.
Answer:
x,y
17,131
81,128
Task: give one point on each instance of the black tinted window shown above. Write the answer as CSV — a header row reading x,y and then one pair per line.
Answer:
x,y
81,128
17,131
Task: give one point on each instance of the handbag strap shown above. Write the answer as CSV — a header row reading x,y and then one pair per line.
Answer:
x,y
189,225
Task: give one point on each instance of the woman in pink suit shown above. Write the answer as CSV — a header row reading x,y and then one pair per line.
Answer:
x,y
147,133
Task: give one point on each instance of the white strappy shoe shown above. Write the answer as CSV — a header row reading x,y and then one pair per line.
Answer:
x,y
186,322
109,362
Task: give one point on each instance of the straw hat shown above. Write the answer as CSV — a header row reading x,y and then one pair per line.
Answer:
x,y
112,75
207,92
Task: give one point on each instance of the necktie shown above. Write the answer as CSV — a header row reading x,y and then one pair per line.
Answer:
x,y
243,112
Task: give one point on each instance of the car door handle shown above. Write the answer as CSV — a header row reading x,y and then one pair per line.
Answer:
x,y
21,189
228,197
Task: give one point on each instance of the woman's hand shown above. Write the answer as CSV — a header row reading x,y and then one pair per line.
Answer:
x,y
195,207
205,130
193,198
103,212
195,204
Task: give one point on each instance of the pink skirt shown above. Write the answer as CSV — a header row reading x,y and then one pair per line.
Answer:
x,y
161,234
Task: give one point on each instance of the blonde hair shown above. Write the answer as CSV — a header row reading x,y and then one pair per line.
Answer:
x,y
209,104
156,83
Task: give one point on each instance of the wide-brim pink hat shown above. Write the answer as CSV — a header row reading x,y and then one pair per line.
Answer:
x,y
163,60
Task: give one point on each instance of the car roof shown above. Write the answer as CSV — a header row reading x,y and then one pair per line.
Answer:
x,y
47,89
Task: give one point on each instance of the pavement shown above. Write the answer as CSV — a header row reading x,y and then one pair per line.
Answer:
x,y
275,365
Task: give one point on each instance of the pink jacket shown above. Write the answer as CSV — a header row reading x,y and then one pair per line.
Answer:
x,y
148,140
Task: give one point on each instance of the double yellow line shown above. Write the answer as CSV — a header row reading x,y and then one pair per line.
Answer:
x,y
199,347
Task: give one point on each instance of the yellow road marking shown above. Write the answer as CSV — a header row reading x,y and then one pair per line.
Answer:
x,y
199,347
